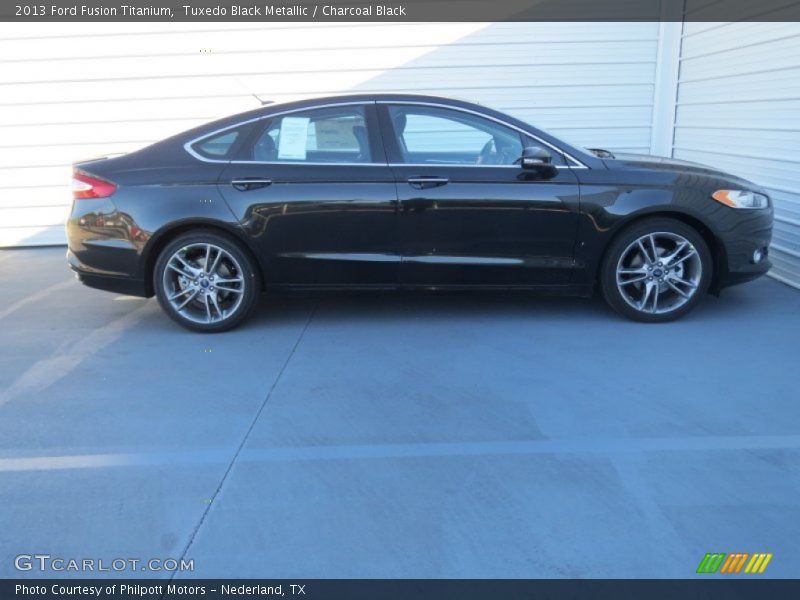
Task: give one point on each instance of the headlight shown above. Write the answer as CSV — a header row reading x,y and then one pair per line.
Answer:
x,y
741,199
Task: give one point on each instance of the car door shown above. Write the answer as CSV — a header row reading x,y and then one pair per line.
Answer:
x,y
315,195
469,214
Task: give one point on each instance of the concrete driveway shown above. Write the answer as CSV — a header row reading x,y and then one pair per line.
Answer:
x,y
396,435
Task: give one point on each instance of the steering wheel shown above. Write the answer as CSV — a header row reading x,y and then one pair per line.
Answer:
x,y
487,156
494,153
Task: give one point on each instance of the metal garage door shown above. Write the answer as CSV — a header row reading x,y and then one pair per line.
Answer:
x,y
72,91
739,109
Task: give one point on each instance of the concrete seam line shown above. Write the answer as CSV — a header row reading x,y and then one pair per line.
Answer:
x,y
36,296
629,470
45,372
245,437
614,449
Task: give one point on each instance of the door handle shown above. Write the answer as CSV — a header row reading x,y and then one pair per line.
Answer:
x,y
246,184
426,182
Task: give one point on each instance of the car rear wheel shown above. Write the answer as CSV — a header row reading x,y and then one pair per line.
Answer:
x,y
656,270
206,282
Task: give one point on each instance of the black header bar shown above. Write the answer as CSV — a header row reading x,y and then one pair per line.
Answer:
x,y
323,11
710,588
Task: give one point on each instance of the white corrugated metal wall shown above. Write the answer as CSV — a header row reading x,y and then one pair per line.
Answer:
x,y
738,108
71,92
79,90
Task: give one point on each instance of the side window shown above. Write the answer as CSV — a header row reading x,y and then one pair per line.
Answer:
x,y
429,135
327,135
217,147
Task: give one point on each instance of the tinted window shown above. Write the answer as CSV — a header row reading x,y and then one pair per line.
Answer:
x,y
218,146
430,135
442,136
329,135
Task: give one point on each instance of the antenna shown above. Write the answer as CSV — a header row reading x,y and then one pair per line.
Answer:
x,y
263,102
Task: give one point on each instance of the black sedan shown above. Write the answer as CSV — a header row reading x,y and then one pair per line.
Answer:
x,y
405,191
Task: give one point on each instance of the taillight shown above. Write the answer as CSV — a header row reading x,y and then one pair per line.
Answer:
x,y
86,186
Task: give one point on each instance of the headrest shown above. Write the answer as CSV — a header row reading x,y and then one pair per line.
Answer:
x,y
265,148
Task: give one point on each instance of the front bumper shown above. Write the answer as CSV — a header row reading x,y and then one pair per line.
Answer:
x,y
744,233
744,273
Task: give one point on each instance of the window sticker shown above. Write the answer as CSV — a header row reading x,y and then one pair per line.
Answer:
x,y
293,138
337,134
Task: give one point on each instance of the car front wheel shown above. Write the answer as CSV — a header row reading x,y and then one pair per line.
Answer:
x,y
656,270
206,282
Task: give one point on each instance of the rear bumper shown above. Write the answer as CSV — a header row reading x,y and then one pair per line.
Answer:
x,y
106,281
102,247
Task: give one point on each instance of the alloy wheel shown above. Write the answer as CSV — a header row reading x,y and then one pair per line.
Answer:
x,y
659,272
204,283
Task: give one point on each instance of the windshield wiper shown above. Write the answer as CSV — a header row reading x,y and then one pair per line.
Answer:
x,y
600,153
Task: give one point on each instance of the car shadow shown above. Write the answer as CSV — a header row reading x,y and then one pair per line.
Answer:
x,y
733,305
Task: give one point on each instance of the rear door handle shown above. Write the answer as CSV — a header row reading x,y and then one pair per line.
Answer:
x,y
245,184
426,182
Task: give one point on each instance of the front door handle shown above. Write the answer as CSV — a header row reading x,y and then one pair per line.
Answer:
x,y
245,184
425,182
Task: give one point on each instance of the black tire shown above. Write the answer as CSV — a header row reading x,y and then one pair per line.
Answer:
x,y
228,266
623,242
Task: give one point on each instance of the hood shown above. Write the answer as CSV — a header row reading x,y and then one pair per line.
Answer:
x,y
651,161
660,163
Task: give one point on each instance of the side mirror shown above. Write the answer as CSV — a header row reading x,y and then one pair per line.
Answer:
x,y
535,157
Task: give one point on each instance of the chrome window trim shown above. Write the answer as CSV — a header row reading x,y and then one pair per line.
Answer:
x,y
578,164
304,164
467,166
188,145
374,164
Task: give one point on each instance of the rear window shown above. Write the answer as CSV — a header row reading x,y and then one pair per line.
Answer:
x,y
218,146
328,135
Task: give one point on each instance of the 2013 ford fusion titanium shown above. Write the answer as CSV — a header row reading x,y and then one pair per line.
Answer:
x,y
405,191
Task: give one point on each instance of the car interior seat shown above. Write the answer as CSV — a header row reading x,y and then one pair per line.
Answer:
x,y
265,149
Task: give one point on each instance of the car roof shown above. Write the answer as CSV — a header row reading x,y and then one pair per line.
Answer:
x,y
275,107
374,96
271,108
